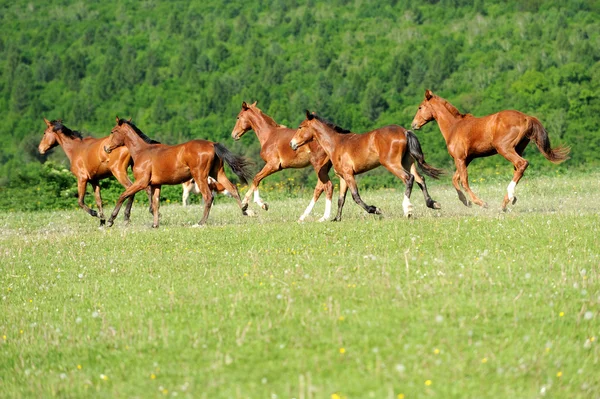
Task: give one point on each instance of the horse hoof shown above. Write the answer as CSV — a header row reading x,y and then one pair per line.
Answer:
x,y
436,205
514,201
244,207
154,226
483,204
109,223
409,215
198,225
336,219
93,213
250,213
322,220
265,206
102,222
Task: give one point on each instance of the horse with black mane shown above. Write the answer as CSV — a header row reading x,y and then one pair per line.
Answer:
x,y
156,164
394,147
89,162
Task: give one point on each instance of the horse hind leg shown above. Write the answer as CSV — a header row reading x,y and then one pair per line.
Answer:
x,y
81,186
456,184
408,179
421,183
356,196
341,199
520,165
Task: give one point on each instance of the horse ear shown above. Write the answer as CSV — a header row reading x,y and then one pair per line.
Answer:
x,y
47,122
244,105
428,94
309,116
254,104
118,119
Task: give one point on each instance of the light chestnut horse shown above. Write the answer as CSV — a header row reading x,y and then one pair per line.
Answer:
x,y
394,147
467,137
158,164
275,151
192,187
89,162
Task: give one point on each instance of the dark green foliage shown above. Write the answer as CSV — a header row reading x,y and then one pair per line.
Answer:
x,y
181,69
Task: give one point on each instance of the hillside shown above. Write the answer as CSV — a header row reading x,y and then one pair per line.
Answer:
x,y
182,70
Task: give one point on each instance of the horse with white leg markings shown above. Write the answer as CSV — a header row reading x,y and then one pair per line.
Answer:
x,y
275,151
394,147
192,187
467,137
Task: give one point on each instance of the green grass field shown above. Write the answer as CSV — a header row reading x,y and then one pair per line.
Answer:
x,y
457,303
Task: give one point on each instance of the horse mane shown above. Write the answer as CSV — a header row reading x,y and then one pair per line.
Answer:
x,y
332,125
269,120
139,132
58,125
452,109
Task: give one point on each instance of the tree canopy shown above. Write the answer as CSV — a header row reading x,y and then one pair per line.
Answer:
x,y
182,69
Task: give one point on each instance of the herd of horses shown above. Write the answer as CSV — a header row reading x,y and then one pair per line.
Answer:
x,y
199,164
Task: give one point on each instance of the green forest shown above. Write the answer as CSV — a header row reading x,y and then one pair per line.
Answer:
x,y
181,70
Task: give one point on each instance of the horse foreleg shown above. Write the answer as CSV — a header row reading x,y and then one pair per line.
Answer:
x,y
121,176
316,194
96,187
341,199
351,182
267,170
129,191
456,184
155,190
81,186
520,165
185,195
461,169
421,183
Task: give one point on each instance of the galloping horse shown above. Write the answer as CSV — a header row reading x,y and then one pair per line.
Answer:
x,y
89,162
275,151
192,187
392,146
158,164
506,133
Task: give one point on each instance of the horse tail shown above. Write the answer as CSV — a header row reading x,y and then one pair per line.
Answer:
x,y
238,164
541,139
414,148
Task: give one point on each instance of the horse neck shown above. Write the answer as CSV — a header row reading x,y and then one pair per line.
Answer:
x,y
446,120
134,143
69,145
326,137
262,126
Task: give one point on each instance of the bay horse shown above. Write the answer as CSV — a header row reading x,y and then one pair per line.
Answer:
x,y
394,147
275,151
158,164
467,137
89,162
191,186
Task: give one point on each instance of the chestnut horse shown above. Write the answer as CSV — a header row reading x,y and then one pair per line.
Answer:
x,y
392,146
158,164
506,133
89,162
191,187
275,151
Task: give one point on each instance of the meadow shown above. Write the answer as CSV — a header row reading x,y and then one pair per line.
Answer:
x,y
453,303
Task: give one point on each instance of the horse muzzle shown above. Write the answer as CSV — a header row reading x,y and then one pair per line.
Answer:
x,y
294,145
107,150
414,126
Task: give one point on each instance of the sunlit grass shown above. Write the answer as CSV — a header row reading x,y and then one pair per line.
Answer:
x,y
460,302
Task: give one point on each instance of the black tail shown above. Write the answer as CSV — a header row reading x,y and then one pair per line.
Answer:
x,y
414,148
238,164
541,139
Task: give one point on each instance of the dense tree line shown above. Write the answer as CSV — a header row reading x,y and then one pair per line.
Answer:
x,y
181,69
